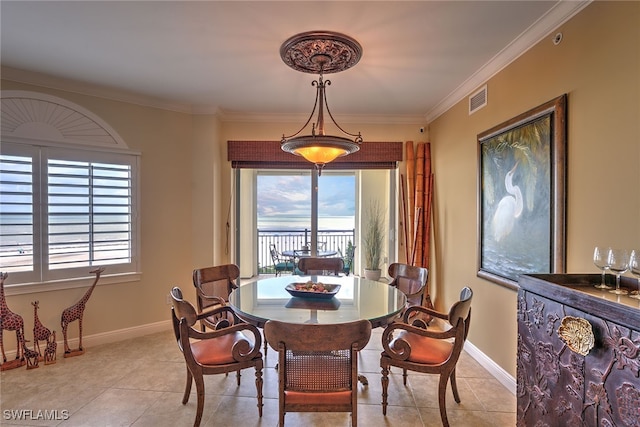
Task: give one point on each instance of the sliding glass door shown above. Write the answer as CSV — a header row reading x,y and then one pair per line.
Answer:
x,y
282,207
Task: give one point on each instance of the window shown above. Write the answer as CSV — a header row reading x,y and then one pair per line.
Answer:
x,y
66,211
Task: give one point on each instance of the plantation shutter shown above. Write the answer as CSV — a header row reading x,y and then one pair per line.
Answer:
x,y
89,213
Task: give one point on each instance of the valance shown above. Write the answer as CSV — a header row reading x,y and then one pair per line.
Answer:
x,y
268,155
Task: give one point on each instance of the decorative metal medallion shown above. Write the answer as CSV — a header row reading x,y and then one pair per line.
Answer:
x,y
577,334
320,52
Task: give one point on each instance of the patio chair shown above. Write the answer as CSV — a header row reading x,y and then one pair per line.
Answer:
x,y
347,259
280,263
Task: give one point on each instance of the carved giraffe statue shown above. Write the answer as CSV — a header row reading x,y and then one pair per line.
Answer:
x,y
40,332
75,312
31,356
10,321
50,350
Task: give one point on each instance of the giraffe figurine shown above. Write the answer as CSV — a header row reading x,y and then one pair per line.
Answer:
x,y
40,332
50,350
10,321
75,312
31,356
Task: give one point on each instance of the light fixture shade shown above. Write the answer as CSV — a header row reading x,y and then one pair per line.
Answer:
x,y
320,149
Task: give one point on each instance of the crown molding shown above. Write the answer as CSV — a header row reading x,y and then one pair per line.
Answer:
x,y
74,86
301,118
558,15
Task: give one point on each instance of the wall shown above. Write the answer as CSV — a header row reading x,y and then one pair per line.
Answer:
x,y
597,65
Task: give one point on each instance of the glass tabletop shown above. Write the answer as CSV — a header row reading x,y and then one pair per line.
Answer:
x,y
358,298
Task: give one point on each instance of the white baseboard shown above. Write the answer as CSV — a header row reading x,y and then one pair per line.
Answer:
x,y
494,369
104,337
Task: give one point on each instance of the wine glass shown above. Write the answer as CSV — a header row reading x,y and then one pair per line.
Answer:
x,y
634,268
618,263
601,260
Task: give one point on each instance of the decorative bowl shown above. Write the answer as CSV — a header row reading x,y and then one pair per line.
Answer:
x,y
312,290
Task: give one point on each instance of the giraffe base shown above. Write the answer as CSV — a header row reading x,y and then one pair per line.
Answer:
x,y
74,353
13,364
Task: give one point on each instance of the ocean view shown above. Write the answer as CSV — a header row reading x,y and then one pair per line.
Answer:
x,y
296,222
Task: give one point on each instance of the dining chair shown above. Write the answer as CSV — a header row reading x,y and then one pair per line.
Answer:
x,y
280,263
320,266
225,350
213,286
412,281
428,351
318,365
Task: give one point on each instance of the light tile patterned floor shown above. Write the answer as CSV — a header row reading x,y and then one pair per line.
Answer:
x,y
140,383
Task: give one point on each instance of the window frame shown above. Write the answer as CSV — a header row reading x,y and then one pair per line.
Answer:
x,y
41,278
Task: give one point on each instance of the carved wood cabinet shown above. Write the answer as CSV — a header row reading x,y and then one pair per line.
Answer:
x,y
571,372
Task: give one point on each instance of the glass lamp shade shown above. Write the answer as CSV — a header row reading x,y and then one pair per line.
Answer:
x,y
320,149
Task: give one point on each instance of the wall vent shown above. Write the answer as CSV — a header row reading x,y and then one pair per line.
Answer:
x,y
478,100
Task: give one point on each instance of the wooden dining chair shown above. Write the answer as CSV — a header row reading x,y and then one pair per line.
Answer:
x,y
213,286
412,281
428,351
225,350
318,365
318,266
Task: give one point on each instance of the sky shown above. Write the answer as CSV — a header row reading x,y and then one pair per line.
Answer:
x,y
280,195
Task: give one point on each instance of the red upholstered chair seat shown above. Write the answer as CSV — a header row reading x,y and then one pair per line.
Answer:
x,y
306,398
217,351
425,350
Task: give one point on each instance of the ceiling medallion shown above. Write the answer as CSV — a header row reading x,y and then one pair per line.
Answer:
x,y
320,52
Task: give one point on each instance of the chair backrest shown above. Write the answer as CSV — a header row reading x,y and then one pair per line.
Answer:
x,y
217,281
181,309
320,266
317,357
275,255
411,280
461,310
318,337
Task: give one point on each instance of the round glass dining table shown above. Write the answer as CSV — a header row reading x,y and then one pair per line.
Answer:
x,y
358,298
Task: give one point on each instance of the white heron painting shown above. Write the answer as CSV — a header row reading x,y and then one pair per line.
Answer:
x,y
518,197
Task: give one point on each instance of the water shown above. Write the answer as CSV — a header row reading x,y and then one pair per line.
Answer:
x,y
297,222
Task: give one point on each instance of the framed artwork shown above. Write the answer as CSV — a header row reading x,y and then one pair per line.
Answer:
x,y
521,195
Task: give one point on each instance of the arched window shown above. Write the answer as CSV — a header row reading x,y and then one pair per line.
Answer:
x,y
68,194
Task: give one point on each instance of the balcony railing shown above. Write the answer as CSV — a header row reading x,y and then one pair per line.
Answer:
x,y
330,240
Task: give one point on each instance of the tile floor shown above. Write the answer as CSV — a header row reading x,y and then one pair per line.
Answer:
x,y
140,382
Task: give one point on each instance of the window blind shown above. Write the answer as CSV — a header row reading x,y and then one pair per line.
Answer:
x,y
269,155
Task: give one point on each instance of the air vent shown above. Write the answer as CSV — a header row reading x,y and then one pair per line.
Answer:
x,y
478,100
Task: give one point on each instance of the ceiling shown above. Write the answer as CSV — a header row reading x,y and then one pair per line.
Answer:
x,y
419,57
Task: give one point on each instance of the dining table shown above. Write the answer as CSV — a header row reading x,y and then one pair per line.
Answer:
x,y
265,299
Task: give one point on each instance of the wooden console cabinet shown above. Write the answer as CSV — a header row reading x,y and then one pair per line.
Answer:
x,y
556,384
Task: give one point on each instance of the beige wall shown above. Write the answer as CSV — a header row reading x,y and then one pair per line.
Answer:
x,y
187,181
597,65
